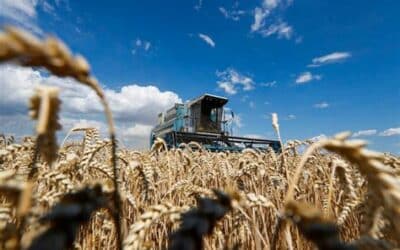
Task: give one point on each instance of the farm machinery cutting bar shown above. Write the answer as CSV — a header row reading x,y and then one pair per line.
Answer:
x,y
205,121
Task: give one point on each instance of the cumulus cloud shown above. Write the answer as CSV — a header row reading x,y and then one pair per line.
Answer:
x,y
129,135
23,13
307,77
18,125
274,26
138,135
135,107
140,103
232,14
227,87
207,39
390,132
322,105
330,58
138,130
367,132
231,80
18,10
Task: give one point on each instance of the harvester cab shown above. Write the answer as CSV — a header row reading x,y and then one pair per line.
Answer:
x,y
204,120
205,114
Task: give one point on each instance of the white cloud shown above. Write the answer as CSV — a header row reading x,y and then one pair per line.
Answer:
x,y
229,79
269,84
207,39
140,103
19,125
134,107
13,78
130,135
271,4
140,45
330,58
322,105
390,132
274,26
22,13
139,130
83,123
281,29
228,87
147,46
136,135
318,137
139,134
232,14
259,18
307,77
367,132
48,7
18,9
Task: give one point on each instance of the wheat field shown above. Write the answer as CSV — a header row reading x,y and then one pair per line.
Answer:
x,y
94,194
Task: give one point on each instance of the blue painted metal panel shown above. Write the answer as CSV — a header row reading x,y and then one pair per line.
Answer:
x,y
179,123
165,129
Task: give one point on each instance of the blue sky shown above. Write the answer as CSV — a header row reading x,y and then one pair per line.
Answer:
x,y
323,66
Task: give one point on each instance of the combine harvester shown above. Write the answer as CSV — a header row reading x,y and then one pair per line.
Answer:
x,y
203,120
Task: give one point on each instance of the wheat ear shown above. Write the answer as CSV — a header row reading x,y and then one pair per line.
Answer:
x,y
44,107
25,49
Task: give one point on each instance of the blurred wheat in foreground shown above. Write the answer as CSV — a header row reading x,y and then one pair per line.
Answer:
x,y
330,194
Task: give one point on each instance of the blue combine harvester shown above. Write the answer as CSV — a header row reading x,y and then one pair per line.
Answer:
x,y
203,120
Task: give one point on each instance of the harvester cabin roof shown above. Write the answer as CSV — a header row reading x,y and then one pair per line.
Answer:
x,y
212,100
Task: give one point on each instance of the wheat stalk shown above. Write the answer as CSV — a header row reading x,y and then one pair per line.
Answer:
x,y
44,107
366,185
27,50
137,230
